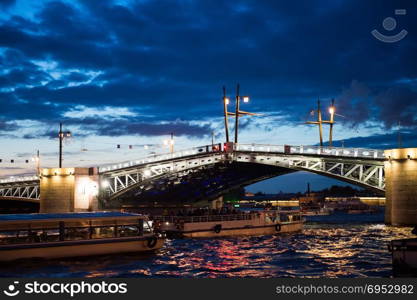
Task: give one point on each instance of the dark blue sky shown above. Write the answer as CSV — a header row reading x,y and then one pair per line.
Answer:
x,y
131,72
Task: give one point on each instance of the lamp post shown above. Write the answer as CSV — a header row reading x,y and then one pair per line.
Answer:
x,y
226,102
36,159
62,135
239,112
331,122
319,122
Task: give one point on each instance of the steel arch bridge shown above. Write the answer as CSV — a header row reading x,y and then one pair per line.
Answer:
x,y
362,167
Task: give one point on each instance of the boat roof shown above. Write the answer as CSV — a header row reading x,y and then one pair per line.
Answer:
x,y
60,216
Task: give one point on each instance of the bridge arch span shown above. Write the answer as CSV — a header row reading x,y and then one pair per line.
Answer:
x,y
368,174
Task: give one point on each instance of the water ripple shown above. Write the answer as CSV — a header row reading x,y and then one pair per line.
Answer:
x,y
339,246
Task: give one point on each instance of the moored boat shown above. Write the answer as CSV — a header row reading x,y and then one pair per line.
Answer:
x,y
75,234
317,212
244,223
404,257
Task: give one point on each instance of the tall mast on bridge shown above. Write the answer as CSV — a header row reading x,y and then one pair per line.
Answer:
x,y
237,114
237,111
226,113
320,122
331,111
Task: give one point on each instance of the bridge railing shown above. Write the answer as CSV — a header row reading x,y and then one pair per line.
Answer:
x,y
161,157
312,150
12,179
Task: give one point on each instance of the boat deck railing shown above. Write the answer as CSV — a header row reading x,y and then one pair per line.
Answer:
x,y
219,218
206,218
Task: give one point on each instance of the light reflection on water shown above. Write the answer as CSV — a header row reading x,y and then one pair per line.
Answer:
x,y
330,246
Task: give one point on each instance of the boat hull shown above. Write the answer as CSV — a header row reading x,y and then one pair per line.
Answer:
x,y
209,231
404,257
78,248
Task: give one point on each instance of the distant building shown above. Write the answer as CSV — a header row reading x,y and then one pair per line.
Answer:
x,y
283,200
372,201
311,198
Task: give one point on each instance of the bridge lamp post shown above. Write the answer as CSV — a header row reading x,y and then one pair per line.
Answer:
x,y
320,122
62,135
239,112
332,111
226,102
236,114
36,160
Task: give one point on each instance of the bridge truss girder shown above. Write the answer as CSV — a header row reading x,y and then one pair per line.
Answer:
x,y
21,191
118,182
366,173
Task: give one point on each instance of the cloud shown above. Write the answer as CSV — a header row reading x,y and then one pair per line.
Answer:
x,y
7,3
397,105
168,60
354,104
405,138
106,112
8,126
127,127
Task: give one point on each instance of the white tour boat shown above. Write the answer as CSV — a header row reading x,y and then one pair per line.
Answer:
x,y
243,223
60,235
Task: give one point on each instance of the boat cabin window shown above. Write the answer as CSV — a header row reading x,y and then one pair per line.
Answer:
x,y
28,236
147,227
271,217
54,231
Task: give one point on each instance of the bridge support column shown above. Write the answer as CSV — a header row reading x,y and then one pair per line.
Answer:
x,y
401,186
68,190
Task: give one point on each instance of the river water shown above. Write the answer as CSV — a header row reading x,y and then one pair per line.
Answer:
x,y
339,245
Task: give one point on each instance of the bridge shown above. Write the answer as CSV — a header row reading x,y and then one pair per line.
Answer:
x,y
216,169
363,167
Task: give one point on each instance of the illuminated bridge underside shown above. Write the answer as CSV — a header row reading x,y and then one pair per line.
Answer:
x,y
204,183
366,173
122,181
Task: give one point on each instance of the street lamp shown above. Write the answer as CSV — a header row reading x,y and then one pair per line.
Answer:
x,y
36,159
226,102
332,111
62,135
239,112
320,122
